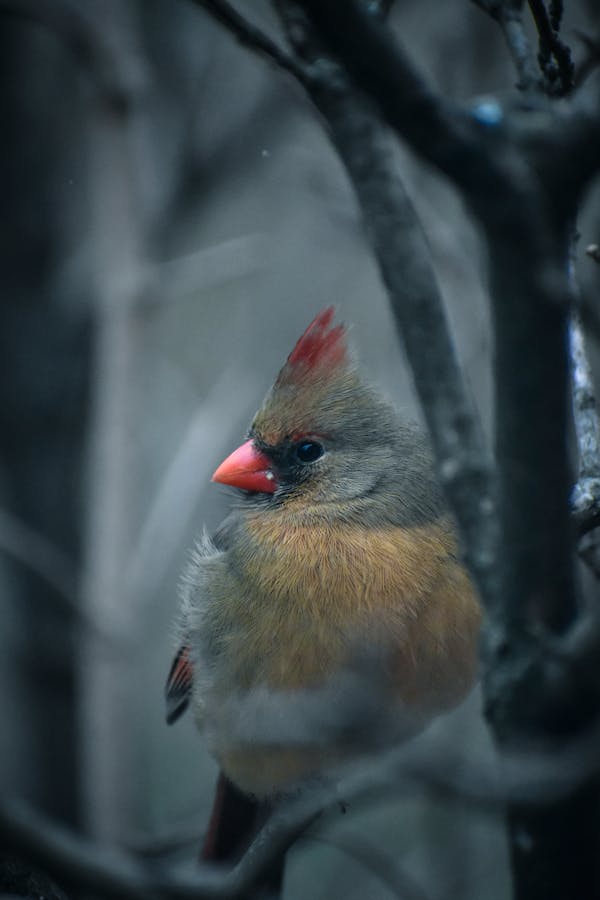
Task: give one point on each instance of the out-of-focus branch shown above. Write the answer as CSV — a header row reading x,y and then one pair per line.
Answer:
x,y
403,256
585,497
554,56
528,286
401,250
451,138
591,59
486,158
38,553
380,864
508,14
516,175
585,407
252,37
118,273
541,778
110,873
586,493
118,75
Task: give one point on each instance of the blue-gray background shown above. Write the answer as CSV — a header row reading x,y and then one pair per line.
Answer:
x,y
160,263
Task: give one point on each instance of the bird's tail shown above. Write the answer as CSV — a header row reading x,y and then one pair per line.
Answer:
x,y
235,820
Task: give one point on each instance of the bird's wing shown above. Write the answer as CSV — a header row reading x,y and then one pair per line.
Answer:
x,y
178,689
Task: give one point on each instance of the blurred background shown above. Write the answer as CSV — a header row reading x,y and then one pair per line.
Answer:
x,y
173,217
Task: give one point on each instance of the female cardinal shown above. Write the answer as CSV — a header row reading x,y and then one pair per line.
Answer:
x,y
329,615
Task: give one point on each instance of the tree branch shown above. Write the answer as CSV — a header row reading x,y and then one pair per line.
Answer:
x,y
507,13
110,873
540,778
554,56
118,75
252,37
379,863
403,255
585,499
499,163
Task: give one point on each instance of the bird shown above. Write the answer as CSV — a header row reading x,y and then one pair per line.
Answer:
x,y
330,615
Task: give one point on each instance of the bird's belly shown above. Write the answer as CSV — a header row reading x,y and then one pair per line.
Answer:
x,y
359,657
266,771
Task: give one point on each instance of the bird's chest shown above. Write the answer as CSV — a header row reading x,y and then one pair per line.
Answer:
x,y
310,599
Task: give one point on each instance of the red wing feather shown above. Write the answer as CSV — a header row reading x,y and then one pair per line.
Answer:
x,y
178,689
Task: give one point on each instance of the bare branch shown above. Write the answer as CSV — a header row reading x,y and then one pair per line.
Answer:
x,y
527,273
585,499
584,404
541,778
119,75
401,250
554,56
508,15
38,553
111,873
591,59
556,14
454,140
527,154
403,256
250,36
380,864
523,205
173,505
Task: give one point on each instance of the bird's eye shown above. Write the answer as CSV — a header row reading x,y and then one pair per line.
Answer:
x,y
309,451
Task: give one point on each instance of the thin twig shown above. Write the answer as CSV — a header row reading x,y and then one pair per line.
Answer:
x,y
556,13
526,272
554,56
591,59
508,15
41,556
38,553
170,510
250,36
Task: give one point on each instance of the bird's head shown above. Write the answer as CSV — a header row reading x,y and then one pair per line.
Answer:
x,y
323,439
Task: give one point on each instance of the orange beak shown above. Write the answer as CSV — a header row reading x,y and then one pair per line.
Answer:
x,y
249,469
